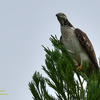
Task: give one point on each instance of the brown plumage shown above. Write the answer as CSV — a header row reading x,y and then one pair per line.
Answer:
x,y
85,42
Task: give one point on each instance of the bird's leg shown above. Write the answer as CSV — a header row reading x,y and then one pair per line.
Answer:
x,y
79,67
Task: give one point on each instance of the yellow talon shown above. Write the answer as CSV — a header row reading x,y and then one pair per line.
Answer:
x,y
79,67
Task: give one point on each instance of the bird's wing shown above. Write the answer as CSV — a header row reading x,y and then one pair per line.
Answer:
x,y
87,45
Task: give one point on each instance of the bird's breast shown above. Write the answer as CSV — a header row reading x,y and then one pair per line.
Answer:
x,y
72,44
70,40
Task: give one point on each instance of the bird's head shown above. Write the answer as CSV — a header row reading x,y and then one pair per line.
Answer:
x,y
63,20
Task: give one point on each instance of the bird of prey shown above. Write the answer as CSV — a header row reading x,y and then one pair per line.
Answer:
x,y
77,44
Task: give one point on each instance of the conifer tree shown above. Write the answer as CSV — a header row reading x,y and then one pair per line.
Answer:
x,y
61,71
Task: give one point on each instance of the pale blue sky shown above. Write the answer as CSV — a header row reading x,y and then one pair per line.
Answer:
x,y
25,25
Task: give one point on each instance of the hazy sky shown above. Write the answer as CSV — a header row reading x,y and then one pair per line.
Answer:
x,y
25,25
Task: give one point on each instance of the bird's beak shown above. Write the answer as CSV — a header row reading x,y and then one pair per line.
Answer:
x,y
57,15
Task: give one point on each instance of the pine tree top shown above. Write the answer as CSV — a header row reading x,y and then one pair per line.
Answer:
x,y
61,71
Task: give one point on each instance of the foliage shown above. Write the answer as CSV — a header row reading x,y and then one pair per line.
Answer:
x,y
61,71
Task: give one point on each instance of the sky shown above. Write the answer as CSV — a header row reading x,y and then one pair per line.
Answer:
x,y
26,25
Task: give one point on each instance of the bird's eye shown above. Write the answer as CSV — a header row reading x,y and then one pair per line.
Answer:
x,y
63,14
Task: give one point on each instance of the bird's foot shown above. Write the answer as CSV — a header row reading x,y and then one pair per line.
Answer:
x,y
79,67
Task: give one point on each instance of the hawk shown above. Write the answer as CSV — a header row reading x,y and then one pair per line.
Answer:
x,y
77,44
